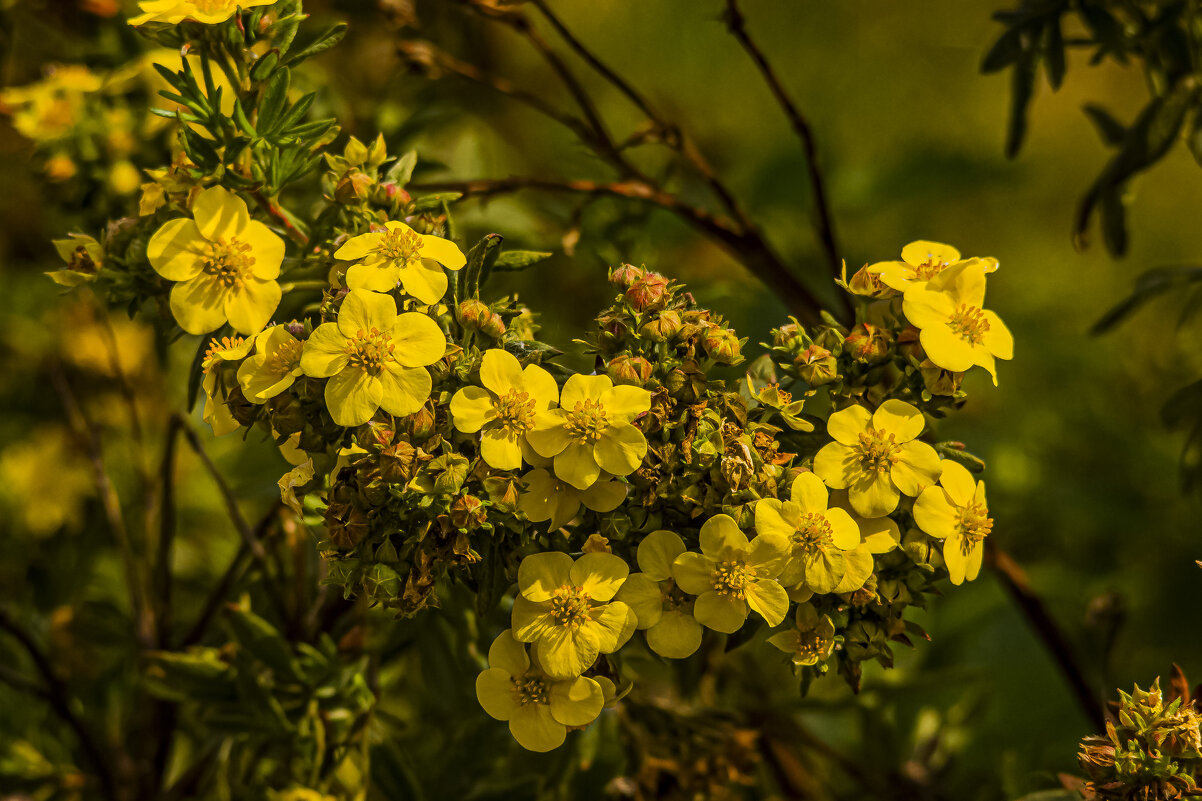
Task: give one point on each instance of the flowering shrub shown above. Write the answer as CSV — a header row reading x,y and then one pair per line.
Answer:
x,y
672,490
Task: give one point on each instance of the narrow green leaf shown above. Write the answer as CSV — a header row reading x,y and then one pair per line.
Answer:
x,y
263,68
262,640
434,202
318,44
479,260
1007,50
1054,55
275,95
515,260
1022,86
400,172
1111,130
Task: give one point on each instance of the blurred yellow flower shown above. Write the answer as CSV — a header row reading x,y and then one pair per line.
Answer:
x,y
876,457
922,261
44,481
810,640
538,707
567,609
48,109
226,264
956,512
216,413
504,410
399,254
173,12
591,430
273,367
817,536
732,576
374,358
954,329
663,611
549,498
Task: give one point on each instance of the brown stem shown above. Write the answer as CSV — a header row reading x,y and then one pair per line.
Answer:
x,y
162,567
1014,579
745,247
823,221
281,216
58,696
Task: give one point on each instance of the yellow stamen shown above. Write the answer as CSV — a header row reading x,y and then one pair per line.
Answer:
x,y
878,451
730,578
515,411
586,422
969,323
975,524
370,350
217,348
528,689
228,262
285,358
399,247
813,534
570,607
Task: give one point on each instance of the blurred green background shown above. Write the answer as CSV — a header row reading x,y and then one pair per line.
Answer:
x,y
1082,476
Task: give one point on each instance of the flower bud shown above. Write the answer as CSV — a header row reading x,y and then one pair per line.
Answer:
x,y
665,326
625,276
468,513
353,188
939,381
346,525
722,345
381,583
285,413
494,327
868,343
817,366
421,423
396,462
633,370
648,293
473,314
355,152
785,335
868,284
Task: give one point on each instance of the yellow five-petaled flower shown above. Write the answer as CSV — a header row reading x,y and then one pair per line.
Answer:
x,y
398,254
225,262
591,430
374,358
504,410
274,366
921,261
819,538
663,609
876,457
174,12
956,512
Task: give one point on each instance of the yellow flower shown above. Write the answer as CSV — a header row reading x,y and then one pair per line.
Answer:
x,y
548,498
44,481
400,254
504,410
817,537
539,707
662,609
956,513
877,535
922,261
50,108
174,12
374,358
216,413
226,264
732,575
591,430
875,456
954,329
273,367
566,609
810,641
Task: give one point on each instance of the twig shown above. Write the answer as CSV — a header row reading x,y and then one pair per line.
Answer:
x,y
736,23
58,696
282,216
746,248
162,567
1014,579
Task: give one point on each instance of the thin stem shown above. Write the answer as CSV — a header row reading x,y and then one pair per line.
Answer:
x,y
1014,579
58,696
282,216
162,568
823,221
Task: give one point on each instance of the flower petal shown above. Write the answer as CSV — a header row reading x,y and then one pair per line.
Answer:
x,y
721,538
769,599
541,386
540,574
625,402
958,482
266,248
844,532
612,624
379,276
548,437
358,246
604,496
809,493
175,251
621,449
352,397
642,594
443,251
721,613
599,575
324,352
927,309
923,252
693,573
529,619
575,464
917,467
508,654
576,702
500,371
998,339
499,450
419,341
404,389
564,653
846,425
535,730
936,514
198,305
873,495
250,306
859,564
219,213
955,559
494,690
580,387
899,418
676,635
948,350
424,280
363,311
657,552
471,408
837,465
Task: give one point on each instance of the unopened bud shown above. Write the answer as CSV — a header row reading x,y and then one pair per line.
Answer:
x,y
468,513
868,343
473,314
722,345
785,335
625,276
648,293
633,370
421,423
353,188
939,381
665,326
817,366
868,284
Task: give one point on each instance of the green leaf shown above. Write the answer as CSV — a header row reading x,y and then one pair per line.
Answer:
x,y
242,121
263,641
515,260
434,202
1022,86
295,113
479,260
1111,130
275,95
1007,50
317,44
195,372
400,172
262,69
1151,284
200,675
1114,221
1054,56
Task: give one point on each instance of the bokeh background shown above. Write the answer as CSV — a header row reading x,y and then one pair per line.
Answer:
x,y
1082,475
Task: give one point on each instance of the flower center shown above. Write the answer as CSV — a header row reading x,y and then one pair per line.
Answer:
x,y
370,350
399,247
570,607
529,689
813,534
673,597
515,411
285,358
929,269
228,262
218,348
811,644
878,451
975,525
586,422
969,323
730,578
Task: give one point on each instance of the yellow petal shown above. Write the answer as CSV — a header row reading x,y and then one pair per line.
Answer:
x,y
540,574
541,386
443,251
250,306
768,599
612,626
767,554
859,564
935,513
899,418
693,573
955,559
419,341
599,575
576,465
958,482
175,251
604,496
964,282
198,305
508,654
948,350
363,311
471,408
972,561
721,538
837,465
500,371
548,437
499,450
769,520
424,280
923,252
352,397
927,309
324,352
621,449
873,495
809,493
998,339
579,388
547,499
576,702
846,425
564,653
494,690
625,402
404,390
219,213
373,277
721,613
266,248
358,247
917,467
642,594
676,635
657,552
844,532
535,730
530,620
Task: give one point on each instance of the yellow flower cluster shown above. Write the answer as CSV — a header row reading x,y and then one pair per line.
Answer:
x,y
173,12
